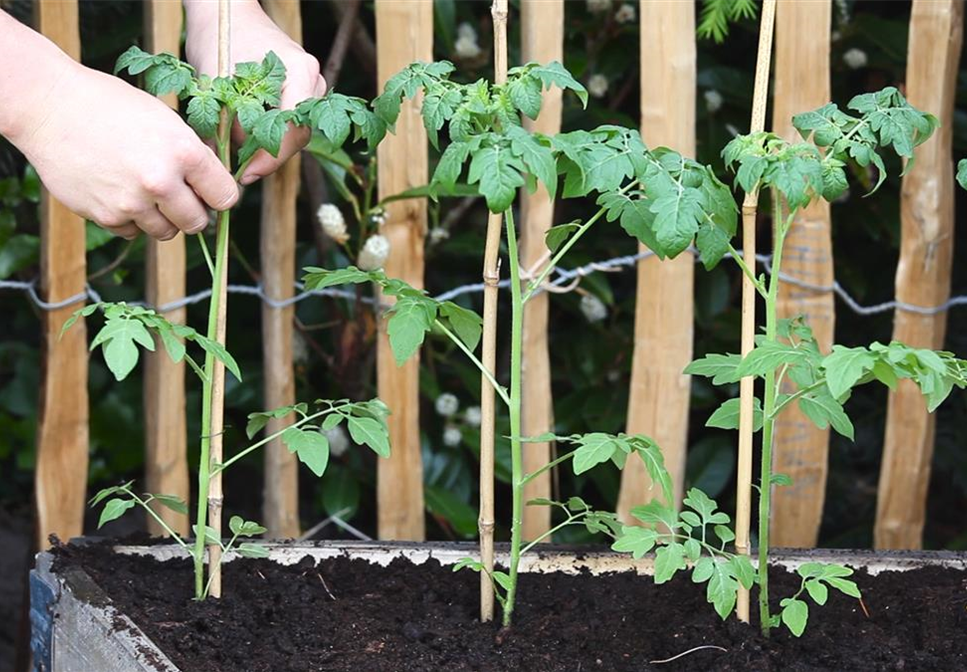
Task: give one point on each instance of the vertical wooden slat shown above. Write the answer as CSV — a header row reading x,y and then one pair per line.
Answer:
x,y
165,440
404,33
62,436
801,84
659,395
280,506
923,273
542,40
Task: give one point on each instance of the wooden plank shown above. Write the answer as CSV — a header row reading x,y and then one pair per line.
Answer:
x,y
659,395
542,40
923,273
280,504
165,429
60,478
801,449
404,33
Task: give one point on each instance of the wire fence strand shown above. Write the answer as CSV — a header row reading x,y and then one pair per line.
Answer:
x,y
560,279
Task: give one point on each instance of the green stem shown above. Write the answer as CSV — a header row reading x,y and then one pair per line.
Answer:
x,y
498,388
570,521
793,397
769,419
204,459
205,253
167,528
550,465
747,271
516,457
536,284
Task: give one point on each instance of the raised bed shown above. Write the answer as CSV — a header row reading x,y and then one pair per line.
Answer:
x,y
405,609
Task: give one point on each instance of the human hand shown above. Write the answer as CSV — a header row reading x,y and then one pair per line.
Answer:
x,y
253,35
122,158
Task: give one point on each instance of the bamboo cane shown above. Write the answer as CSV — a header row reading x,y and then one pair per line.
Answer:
x,y
923,272
743,496
658,399
542,40
801,448
165,430
491,276
215,428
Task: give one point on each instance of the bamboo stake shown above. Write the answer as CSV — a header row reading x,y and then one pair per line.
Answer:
x,y
664,313
404,31
923,273
801,448
743,496
491,276
166,434
216,427
60,478
542,40
280,502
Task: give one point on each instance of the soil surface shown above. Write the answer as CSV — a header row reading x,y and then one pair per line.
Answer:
x,y
349,615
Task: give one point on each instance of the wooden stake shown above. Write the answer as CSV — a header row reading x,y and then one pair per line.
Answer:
x,y
60,478
404,32
491,276
664,316
542,40
280,503
743,495
923,273
165,429
801,449
215,495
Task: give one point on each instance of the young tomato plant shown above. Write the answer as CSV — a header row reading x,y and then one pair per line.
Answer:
x,y
251,98
820,383
488,143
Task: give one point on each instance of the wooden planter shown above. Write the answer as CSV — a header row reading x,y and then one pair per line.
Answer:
x,y
76,628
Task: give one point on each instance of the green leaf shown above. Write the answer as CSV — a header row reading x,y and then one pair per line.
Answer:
x,y
467,563
370,432
438,107
203,113
726,416
656,513
320,278
795,613
218,351
525,94
172,502
17,253
410,318
537,156
824,411
668,560
252,551
447,505
211,535
466,323
844,368
962,173
498,173
743,570
593,449
650,454
451,162
768,356
86,311
114,509
555,74
270,129
722,589
107,492
818,591
703,570
844,586
502,579
556,235
256,421
119,338
780,479
311,447
724,533
244,528
721,369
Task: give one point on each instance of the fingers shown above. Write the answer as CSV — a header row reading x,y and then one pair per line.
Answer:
x,y
208,177
184,210
127,231
156,225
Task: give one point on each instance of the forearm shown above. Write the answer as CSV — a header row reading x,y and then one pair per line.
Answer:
x,y
31,69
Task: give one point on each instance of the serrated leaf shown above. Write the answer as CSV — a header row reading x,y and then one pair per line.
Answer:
x,y
721,369
320,278
270,129
370,432
525,94
311,447
499,174
556,235
743,570
593,449
726,416
844,368
203,113
656,513
768,356
557,75
668,560
218,351
410,318
824,411
722,589
466,323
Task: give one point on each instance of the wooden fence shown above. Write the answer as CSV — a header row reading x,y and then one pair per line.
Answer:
x,y
659,395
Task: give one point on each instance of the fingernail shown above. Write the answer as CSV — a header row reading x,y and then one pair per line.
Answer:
x,y
248,179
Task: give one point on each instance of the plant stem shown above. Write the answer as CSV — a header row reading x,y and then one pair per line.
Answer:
x,y
737,258
200,237
550,465
769,420
516,458
498,388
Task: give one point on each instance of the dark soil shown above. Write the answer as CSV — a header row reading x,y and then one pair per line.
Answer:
x,y
348,615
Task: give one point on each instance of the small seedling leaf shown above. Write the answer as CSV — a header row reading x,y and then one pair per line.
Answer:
x,y
114,509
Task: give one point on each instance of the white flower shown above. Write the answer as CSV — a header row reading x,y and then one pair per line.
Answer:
x,y
598,6
466,47
338,440
855,58
438,235
467,30
835,36
446,404
472,416
300,349
598,85
452,437
331,219
625,13
713,101
374,253
593,308
379,216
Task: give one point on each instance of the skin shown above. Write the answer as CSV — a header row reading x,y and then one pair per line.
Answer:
x,y
120,157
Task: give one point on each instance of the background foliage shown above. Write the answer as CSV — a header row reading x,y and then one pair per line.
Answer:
x,y
591,359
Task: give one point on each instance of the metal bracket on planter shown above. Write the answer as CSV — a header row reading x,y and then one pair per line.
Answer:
x,y
43,598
